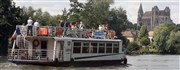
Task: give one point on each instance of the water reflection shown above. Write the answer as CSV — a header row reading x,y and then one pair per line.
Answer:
x,y
142,62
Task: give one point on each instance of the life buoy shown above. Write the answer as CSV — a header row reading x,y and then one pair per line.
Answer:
x,y
36,43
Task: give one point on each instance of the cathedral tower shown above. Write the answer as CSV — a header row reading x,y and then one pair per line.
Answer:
x,y
140,15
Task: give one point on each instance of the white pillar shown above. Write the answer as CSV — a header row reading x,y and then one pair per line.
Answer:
x,y
54,51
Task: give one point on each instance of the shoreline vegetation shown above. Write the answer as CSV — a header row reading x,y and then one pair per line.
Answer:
x,y
165,40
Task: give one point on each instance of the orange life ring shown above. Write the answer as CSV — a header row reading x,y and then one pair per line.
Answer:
x,y
36,43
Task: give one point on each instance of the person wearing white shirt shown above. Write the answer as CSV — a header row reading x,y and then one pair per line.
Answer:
x,y
100,28
23,30
29,22
36,25
81,25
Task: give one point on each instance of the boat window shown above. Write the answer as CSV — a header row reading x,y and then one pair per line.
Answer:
x,y
108,47
101,44
77,43
115,48
85,47
76,49
101,47
94,44
93,48
85,44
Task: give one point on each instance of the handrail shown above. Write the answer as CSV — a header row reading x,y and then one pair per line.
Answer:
x,y
13,47
55,31
29,54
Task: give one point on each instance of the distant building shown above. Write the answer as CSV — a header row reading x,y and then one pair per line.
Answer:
x,y
150,35
132,37
129,35
154,17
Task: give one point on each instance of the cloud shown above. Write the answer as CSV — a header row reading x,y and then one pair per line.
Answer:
x,y
55,7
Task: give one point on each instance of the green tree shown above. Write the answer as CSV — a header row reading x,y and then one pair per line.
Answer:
x,y
45,20
161,36
26,13
9,17
143,32
64,15
74,11
95,12
118,21
144,41
173,43
143,36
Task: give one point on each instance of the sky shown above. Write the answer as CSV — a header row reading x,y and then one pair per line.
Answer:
x,y
55,7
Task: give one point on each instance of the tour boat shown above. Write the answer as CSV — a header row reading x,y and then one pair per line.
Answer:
x,y
57,46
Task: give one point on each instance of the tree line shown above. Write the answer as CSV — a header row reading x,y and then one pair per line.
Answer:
x,y
93,13
166,40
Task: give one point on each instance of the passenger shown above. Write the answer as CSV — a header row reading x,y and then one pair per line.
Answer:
x,y
66,27
62,23
72,26
81,25
29,24
105,34
23,29
103,27
106,27
100,27
36,25
77,25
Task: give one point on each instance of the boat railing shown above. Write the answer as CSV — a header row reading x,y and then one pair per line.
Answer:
x,y
57,31
30,54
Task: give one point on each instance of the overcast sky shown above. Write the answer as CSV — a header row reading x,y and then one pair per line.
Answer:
x,y
55,7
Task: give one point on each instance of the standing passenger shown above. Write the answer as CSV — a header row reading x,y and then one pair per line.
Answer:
x,y
62,23
66,27
36,25
23,30
81,25
29,24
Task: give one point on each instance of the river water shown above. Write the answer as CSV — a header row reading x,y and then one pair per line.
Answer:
x,y
140,62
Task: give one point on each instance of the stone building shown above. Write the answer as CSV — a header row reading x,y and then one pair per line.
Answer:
x,y
154,17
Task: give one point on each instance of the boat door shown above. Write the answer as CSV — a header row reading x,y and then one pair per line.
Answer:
x,y
67,50
60,50
44,49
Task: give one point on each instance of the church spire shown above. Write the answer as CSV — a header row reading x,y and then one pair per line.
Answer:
x,y
140,15
140,9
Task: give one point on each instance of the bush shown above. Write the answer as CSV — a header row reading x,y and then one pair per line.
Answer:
x,y
132,48
144,50
144,41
